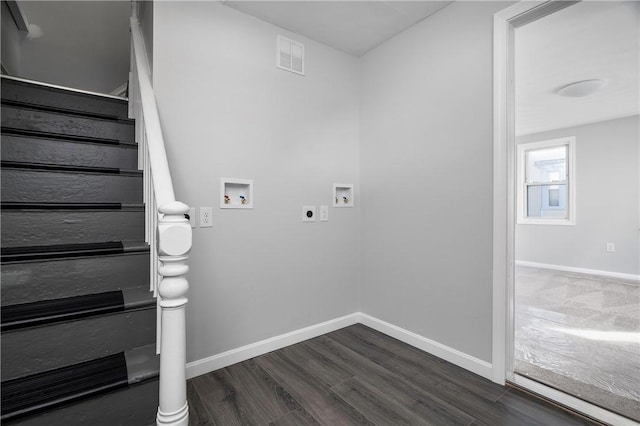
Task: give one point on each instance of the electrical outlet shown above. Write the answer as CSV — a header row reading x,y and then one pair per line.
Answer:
x,y
206,217
308,213
611,247
192,216
324,213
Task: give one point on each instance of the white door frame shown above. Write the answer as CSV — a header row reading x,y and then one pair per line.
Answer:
x,y
504,202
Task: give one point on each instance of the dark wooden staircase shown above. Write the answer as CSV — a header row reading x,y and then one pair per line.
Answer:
x,y
78,321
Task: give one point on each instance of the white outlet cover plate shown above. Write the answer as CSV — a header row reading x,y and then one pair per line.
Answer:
x,y
206,217
305,216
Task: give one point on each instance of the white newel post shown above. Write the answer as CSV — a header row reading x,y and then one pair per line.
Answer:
x,y
174,243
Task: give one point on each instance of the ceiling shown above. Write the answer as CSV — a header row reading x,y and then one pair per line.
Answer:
x,y
354,27
589,40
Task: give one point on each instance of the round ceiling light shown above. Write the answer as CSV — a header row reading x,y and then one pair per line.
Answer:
x,y
580,89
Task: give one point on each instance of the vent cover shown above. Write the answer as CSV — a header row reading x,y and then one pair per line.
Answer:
x,y
290,55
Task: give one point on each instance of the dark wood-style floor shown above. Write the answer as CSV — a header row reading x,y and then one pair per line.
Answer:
x,y
359,376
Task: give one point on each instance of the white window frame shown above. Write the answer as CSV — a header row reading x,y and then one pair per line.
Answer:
x,y
521,199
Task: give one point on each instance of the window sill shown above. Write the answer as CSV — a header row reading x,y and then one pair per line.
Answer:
x,y
555,222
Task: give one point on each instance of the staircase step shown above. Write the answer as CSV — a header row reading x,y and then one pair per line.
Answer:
x,y
21,148
72,308
57,186
60,167
50,389
32,350
45,96
43,252
30,281
31,226
45,390
131,405
33,121
69,206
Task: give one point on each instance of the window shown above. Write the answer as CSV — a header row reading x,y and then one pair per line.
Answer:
x,y
546,182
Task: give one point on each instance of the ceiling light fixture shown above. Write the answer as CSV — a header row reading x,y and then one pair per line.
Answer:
x,y
580,89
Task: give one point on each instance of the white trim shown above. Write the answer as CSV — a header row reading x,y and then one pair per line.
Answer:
x,y
620,275
504,191
233,356
70,89
461,359
570,143
572,402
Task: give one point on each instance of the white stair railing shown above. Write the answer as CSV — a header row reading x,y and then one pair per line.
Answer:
x,y
168,233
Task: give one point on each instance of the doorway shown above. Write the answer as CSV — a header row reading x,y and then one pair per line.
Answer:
x,y
566,157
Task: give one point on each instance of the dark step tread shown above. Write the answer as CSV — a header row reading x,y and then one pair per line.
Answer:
x,y
52,388
27,253
59,110
135,404
71,113
68,206
54,137
73,308
65,168
48,311
54,96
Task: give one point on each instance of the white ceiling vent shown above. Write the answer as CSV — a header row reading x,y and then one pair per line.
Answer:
x,y
290,55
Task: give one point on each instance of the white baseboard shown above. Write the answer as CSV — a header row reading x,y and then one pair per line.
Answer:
x,y
233,356
454,356
620,275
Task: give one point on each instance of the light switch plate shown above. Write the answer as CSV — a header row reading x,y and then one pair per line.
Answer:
x,y
324,213
308,213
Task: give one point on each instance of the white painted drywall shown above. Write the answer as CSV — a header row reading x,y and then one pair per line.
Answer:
x,y
11,39
608,202
227,111
426,176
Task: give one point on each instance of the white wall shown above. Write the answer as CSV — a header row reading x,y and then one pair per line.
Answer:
x,y
608,202
426,175
228,111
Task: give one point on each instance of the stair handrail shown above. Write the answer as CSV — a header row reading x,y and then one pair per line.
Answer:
x,y
168,233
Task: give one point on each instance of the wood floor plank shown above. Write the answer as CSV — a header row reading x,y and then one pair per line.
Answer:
x,y
430,364
299,417
319,366
361,344
469,401
535,411
316,399
384,409
220,399
400,391
258,393
198,414
347,384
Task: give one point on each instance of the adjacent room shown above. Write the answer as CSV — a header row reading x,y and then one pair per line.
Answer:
x,y
577,252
